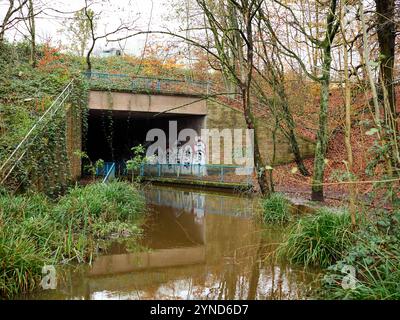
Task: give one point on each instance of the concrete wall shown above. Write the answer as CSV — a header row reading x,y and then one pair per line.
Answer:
x,y
74,140
123,101
221,117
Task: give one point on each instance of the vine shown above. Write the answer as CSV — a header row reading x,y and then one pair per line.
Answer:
x,y
45,165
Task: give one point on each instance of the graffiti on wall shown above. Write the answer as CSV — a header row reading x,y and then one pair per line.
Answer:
x,y
179,153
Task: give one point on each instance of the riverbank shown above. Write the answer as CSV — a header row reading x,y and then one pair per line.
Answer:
x,y
359,261
36,231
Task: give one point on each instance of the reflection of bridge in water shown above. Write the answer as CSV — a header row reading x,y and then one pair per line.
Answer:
x,y
179,236
202,203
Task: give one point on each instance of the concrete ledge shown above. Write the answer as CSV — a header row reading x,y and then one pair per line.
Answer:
x,y
138,102
200,183
149,92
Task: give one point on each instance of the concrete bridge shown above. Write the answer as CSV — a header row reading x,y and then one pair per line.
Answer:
x,y
147,94
122,109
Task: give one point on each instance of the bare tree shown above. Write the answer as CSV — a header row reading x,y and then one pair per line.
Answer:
x,y
80,31
32,32
324,45
273,72
348,111
91,17
238,36
12,17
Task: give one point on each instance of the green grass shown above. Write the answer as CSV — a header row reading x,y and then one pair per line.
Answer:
x,y
276,209
98,210
372,283
35,231
318,240
26,242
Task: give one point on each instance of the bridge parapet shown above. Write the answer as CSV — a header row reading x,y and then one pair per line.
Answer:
x,y
150,85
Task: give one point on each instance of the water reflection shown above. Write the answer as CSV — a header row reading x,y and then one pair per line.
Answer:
x,y
202,245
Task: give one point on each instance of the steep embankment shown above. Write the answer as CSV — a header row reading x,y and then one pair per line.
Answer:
x,y
361,141
25,94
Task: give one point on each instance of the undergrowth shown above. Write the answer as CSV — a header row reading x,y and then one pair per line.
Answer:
x,y
375,259
35,231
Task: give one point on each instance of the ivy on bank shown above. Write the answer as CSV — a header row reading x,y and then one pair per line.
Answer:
x,y
25,94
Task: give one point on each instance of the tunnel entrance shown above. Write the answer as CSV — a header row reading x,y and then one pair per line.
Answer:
x,y
112,134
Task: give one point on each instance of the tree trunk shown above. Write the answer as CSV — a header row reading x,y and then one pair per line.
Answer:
x,y
352,193
291,136
88,60
32,27
386,30
317,188
90,18
297,155
322,135
261,173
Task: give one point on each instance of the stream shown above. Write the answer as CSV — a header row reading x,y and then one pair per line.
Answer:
x,y
196,245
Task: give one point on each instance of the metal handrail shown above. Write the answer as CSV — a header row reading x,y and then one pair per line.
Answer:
x,y
229,166
56,106
106,74
122,75
109,173
200,171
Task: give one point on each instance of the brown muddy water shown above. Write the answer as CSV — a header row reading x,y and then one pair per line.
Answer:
x,y
196,245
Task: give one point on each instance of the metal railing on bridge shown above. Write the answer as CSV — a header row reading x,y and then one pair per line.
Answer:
x,y
108,171
238,175
125,82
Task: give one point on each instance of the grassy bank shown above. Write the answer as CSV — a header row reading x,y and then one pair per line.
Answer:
x,y
360,263
25,95
35,231
374,256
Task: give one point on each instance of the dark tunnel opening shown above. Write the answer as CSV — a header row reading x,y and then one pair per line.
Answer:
x,y
112,134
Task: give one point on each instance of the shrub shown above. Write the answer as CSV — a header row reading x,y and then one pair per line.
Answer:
x,y
318,240
276,209
375,257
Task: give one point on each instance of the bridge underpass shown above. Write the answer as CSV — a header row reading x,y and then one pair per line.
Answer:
x,y
112,134
120,119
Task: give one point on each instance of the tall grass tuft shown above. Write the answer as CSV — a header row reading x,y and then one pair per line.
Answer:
x,y
99,202
276,209
27,242
95,212
318,240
